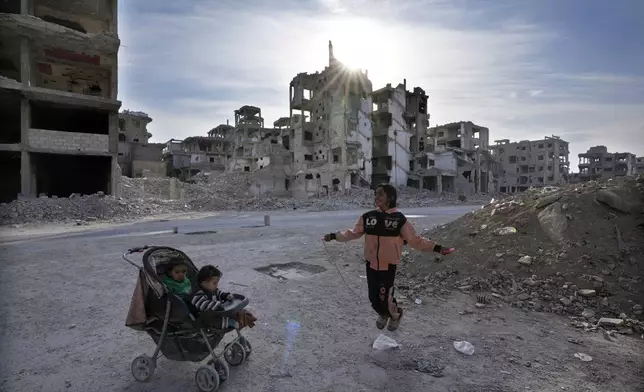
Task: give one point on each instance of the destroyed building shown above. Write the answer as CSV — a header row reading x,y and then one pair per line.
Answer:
x,y
58,97
399,120
454,157
258,149
195,154
639,165
136,156
531,163
330,133
598,163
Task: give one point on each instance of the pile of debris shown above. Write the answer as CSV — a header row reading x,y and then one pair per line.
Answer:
x,y
81,209
576,250
203,193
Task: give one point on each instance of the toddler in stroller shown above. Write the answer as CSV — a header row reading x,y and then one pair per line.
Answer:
x,y
179,335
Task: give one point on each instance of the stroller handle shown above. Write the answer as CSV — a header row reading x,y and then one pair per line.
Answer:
x,y
137,249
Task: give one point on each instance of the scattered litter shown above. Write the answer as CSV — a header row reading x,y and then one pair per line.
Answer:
x,y
383,342
428,367
417,301
464,347
505,231
576,341
525,260
583,357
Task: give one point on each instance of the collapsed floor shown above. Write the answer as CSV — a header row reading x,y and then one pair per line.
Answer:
x,y
577,250
144,197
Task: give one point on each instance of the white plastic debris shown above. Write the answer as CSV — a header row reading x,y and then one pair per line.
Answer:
x,y
583,357
384,343
505,231
464,347
418,301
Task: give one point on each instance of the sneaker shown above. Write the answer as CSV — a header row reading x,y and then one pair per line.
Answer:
x,y
393,324
381,322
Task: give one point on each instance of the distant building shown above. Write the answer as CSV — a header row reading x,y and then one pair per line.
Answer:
x,y
453,158
598,163
531,163
136,156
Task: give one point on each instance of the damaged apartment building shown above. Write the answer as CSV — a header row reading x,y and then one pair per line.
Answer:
x,y
329,135
453,158
136,156
531,164
259,150
597,163
185,158
399,120
58,97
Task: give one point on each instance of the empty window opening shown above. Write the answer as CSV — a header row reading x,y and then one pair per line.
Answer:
x,y
10,184
121,137
309,176
308,136
513,159
246,168
64,118
308,157
61,175
212,159
136,140
9,6
9,117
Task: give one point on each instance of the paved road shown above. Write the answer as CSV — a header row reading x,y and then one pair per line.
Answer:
x,y
64,299
278,219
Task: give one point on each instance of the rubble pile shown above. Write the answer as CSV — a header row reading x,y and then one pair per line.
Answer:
x,y
202,193
576,250
77,208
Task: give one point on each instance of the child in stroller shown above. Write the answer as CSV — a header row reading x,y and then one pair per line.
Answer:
x,y
179,334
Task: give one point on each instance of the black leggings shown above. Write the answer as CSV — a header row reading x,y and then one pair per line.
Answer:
x,y
381,290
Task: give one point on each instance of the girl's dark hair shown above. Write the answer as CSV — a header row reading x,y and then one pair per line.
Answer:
x,y
391,193
207,272
172,263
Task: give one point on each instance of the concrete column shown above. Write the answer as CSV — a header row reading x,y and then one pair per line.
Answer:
x,y
478,171
25,62
26,189
113,127
115,177
25,121
439,184
24,7
115,17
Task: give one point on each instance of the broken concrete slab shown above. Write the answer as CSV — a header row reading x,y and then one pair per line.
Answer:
x,y
615,201
553,222
610,322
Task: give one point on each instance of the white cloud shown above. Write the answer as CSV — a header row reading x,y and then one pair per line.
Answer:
x,y
469,74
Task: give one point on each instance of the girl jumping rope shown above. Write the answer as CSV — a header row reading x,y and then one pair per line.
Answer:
x,y
387,231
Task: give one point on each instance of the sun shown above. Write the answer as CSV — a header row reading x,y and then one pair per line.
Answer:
x,y
358,43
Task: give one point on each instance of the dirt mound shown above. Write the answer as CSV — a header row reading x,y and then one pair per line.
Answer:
x,y
571,250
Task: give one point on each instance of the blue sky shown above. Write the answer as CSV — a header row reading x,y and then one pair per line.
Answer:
x,y
523,68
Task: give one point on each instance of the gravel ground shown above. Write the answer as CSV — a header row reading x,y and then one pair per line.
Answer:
x,y
64,303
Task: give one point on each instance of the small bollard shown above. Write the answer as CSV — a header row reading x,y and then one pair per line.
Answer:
x,y
175,230
267,220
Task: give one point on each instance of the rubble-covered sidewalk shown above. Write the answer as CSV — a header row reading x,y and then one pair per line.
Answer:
x,y
145,197
576,251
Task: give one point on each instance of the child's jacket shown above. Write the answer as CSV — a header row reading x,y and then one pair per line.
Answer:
x,y
386,233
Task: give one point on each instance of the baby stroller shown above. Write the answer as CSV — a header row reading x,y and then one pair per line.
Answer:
x,y
178,335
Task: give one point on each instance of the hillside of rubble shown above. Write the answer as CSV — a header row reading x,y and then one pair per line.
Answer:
x,y
149,196
576,250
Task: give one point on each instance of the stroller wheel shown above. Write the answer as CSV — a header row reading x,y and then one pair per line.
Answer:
x,y
222,369
235,354
247,346
143,368
207,379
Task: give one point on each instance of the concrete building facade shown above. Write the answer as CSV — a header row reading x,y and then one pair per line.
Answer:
x,y
195,154
58,97
136,156
639,165
330,132
399,117
598,163
454,157
531,163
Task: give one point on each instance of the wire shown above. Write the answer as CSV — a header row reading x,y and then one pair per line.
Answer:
x,y
335,264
